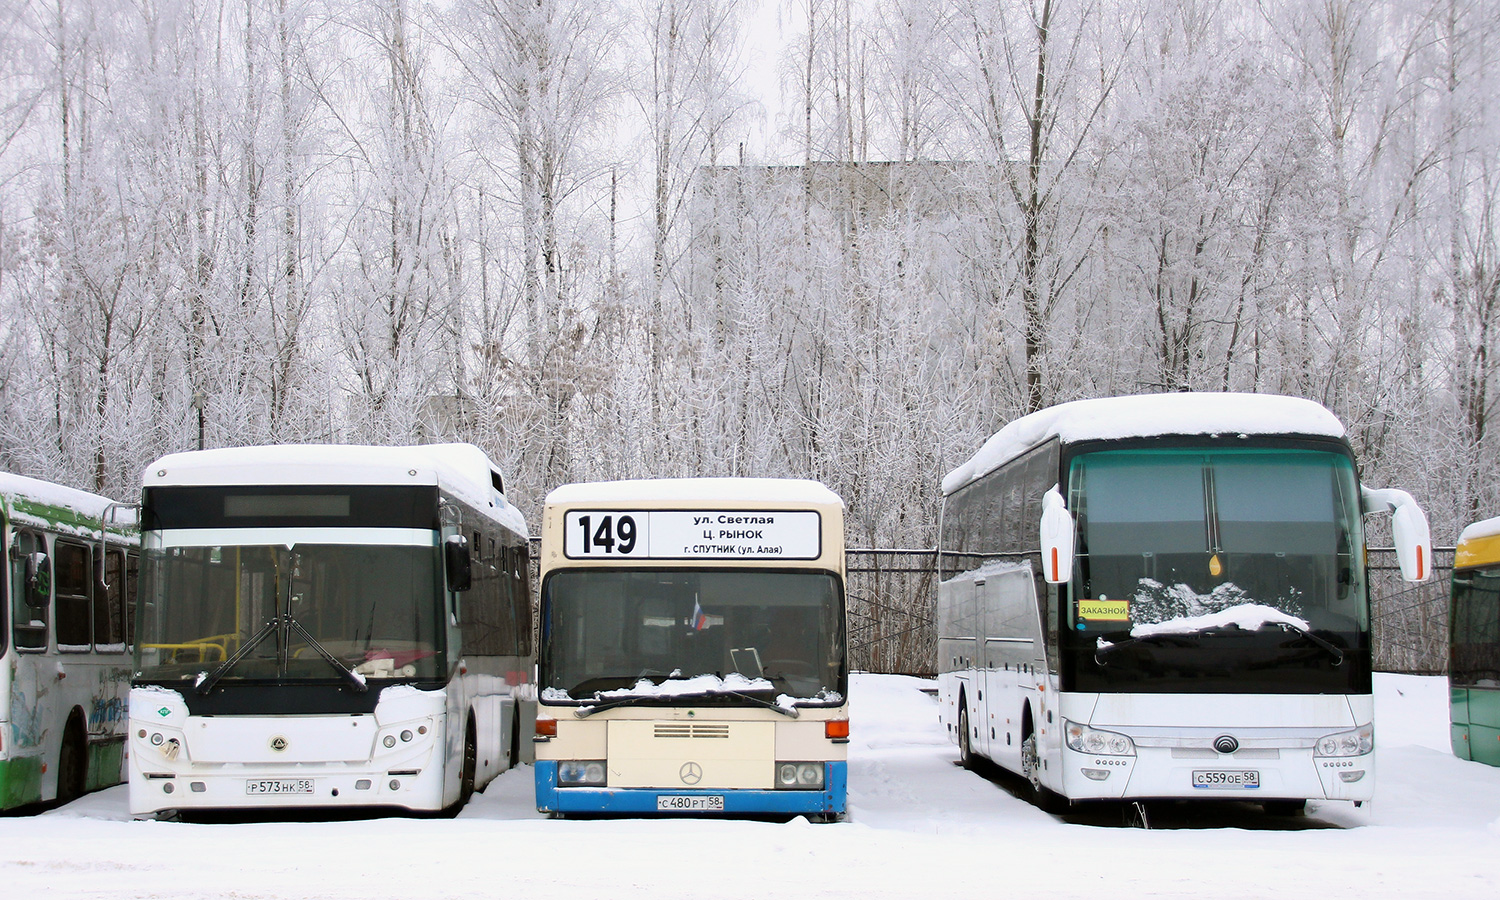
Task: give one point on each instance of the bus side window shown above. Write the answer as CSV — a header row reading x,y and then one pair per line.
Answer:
x,y
31,580
132,580
521,598
74,596
109,622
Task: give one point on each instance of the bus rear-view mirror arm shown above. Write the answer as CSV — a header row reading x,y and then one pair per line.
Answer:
x,y
1057,538
1409,529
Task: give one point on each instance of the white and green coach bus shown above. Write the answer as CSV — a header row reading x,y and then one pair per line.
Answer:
x,y
66,594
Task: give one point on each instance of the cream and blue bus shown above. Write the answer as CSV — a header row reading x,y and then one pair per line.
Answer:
x,y
693,655
327,626
67,591
1165,597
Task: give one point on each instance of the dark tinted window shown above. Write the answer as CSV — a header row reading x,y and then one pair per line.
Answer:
x,y
75,595
30,621
1475,625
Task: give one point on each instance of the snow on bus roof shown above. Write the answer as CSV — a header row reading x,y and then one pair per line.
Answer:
x,y
1482,529
698,491
1148,415
462,468
45,492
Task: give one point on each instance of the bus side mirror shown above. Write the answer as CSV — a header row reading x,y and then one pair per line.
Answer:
x,y
1057,538
38,580
456,563
1409,530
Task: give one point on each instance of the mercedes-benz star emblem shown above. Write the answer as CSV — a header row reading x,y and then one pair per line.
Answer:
x,y
690,773
1225,743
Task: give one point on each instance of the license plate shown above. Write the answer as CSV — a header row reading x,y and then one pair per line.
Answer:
x,y
690,803
279,786
1221,778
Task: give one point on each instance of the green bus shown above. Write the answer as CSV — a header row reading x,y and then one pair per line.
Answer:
x,y
1474,643
67,593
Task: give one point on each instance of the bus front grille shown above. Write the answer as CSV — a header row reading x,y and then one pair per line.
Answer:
x,y
691,730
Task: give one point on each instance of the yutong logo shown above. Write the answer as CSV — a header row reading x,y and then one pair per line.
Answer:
x,y
278,743
1225,743
690,773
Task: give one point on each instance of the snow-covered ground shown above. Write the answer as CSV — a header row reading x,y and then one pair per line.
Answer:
x,y
919,827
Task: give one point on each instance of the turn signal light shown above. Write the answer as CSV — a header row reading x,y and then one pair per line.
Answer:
x,y
546,727
836,729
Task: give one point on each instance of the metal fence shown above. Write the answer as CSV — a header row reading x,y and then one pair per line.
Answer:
x,y
892,592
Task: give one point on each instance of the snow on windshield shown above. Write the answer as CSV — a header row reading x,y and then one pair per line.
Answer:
x,y
1245,616
698,685
1157,603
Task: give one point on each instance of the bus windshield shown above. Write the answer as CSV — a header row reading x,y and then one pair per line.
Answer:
x,y
606,630
1208,569
374,609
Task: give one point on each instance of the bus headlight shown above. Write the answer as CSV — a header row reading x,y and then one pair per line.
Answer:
x,y
799,776
1097,741
581,773
1355,742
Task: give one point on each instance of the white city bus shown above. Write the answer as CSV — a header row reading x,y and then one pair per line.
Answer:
x,y
693,652
1165,597
67,587
327,626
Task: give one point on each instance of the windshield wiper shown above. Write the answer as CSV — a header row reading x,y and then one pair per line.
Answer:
x,y
206,683
1335,652
349,675
583,712
1111,646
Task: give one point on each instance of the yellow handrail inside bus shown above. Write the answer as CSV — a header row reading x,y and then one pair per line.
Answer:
x,y
209,649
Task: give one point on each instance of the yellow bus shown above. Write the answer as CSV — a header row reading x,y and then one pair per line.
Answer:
x,y
1474,643
693,654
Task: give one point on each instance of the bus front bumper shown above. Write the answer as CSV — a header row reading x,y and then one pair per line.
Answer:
x,y
828,802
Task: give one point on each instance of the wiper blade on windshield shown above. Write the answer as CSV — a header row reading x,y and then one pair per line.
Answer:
x,y
207,682
1338,655
1103,647
790,712
354,679
583,712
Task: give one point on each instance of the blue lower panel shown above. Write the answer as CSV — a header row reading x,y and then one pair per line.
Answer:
x,y
629,801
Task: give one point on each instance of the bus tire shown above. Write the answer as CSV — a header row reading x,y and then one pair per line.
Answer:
x,y
515,739
1043,798
72,761
470,766
965,749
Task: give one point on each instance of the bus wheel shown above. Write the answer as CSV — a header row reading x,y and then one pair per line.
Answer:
x,y
471,765
72,762
965,750
1030,764
515,742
